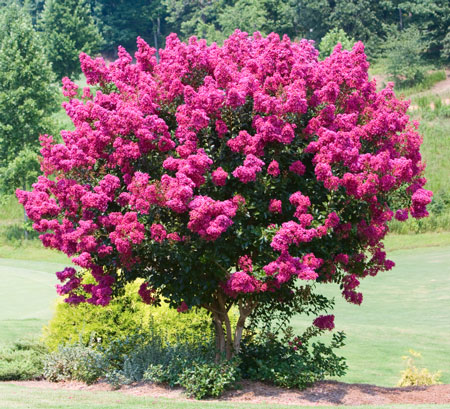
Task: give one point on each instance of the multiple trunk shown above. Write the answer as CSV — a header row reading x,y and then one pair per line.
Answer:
x,y
228,339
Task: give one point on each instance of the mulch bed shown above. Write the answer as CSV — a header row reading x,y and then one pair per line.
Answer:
x,y
322,393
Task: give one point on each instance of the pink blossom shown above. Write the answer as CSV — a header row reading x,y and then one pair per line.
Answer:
x,y
324,322
158,232
183,307
297,167
273,169
146,294
219,177
275,206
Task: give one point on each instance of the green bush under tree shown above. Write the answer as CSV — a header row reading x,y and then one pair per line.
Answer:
x,y
126,314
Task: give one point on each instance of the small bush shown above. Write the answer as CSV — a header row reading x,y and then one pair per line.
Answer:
x,y
74,362
413,376
126,314
290,362
210,379
153,359
22,361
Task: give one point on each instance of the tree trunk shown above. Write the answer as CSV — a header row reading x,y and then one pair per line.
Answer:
x,y
25,217
228,339
156,33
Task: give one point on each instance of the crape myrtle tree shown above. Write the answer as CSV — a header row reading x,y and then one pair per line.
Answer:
x,y
239,175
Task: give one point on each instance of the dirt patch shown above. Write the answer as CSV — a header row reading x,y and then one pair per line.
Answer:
x,y
323,393
442,87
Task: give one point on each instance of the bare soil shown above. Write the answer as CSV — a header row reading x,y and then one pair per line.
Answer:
x,y
322,393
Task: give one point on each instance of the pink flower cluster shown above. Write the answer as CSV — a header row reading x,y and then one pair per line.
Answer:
x,y
247,173
210,218
324,322
153,149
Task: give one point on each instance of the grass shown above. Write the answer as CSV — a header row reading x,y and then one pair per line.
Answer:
x,y
27,295
428,82
406,308
412,241
13,398
434,118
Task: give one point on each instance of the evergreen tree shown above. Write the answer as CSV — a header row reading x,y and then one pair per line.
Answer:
x,y
121,22
27,96
34,7
404,50
330,40
68,29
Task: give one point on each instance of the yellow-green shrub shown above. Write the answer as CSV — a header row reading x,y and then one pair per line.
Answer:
x,y
413,376
126,314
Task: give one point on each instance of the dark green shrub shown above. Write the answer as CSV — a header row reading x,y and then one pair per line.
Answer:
x,y
290,362
22,360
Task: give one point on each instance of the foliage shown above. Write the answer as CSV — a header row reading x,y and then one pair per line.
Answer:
x,y
413,376
120,24
150,358
404,50
174,359
445,53
74,362
216,20
291,362
360,19
428,81
22,360
364,20
21,171
330,39
125,315
210,380
68,28
27,96
229,178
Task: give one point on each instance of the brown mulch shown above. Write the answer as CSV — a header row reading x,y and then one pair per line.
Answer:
x,y
322,393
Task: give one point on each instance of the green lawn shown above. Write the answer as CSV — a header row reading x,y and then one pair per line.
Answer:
x,y
27,294
406,308
12,397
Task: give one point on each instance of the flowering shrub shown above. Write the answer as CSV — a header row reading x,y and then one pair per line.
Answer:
x,y
227,175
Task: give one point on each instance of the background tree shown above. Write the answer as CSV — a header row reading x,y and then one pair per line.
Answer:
x,y
68,29
35,8
27,94
445,53
120,22
20,172
329,41
404,50
216,20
